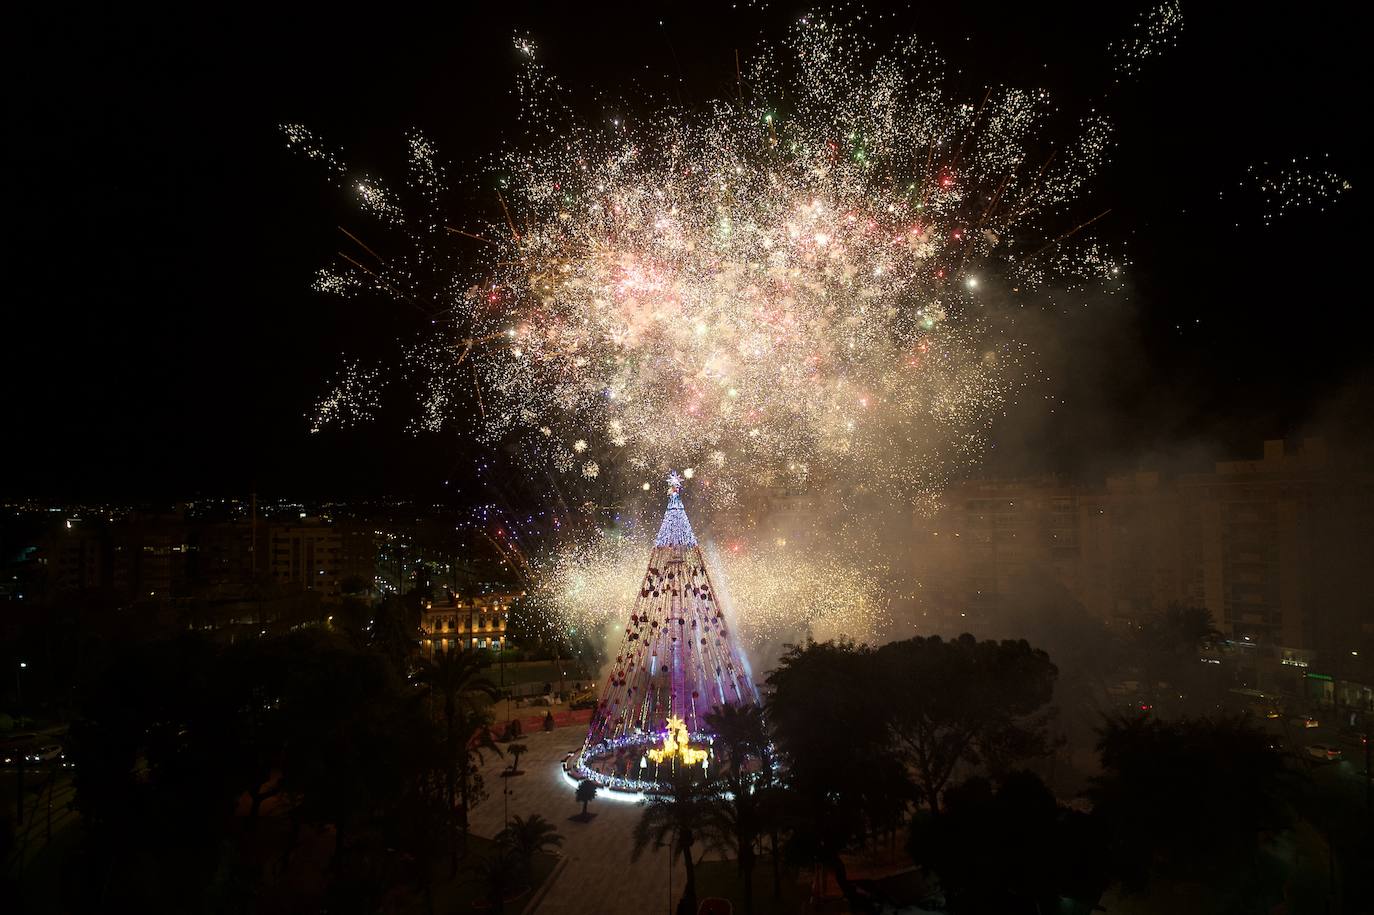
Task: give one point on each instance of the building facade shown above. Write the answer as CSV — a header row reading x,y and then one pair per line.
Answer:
x,y
1270,547
321,556
454,623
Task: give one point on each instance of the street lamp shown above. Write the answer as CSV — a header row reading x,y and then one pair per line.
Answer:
x,y
19,773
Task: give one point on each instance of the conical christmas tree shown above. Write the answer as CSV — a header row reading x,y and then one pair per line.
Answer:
x,y
678,660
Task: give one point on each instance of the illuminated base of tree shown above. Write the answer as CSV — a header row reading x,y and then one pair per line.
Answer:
x,y
622,765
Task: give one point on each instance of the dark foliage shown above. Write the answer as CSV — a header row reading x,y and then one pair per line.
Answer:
x,y
1008,848
1187,799
839,764
964,702
179,734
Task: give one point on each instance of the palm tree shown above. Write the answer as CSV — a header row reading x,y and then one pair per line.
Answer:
x,y
1167,648
529,837
422,826
586,791
515,749
395,631
499,874
473,732
678,819
456,676
742,737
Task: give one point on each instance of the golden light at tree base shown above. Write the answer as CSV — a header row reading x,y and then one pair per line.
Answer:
x,y
677,745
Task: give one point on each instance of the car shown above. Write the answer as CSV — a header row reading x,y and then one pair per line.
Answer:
x,y
583,701
1322,751
44,752
1354,740
16,749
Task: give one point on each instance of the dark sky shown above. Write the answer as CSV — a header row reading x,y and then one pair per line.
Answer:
x,y
161,340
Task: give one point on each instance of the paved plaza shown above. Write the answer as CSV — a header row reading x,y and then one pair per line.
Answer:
x,y
596,874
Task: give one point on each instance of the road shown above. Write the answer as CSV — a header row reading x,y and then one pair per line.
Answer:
x,y
48,810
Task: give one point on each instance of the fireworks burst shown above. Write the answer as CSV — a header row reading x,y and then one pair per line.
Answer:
x,y
775,587
798,287
353,398
784,289
1151,36
1299,184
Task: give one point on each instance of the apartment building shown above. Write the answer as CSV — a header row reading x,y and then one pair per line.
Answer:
x,y
1270,546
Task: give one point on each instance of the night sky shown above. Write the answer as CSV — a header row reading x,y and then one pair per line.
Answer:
x,y
161,339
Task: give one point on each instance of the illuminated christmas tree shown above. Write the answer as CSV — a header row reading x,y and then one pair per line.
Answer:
x,y
678,660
